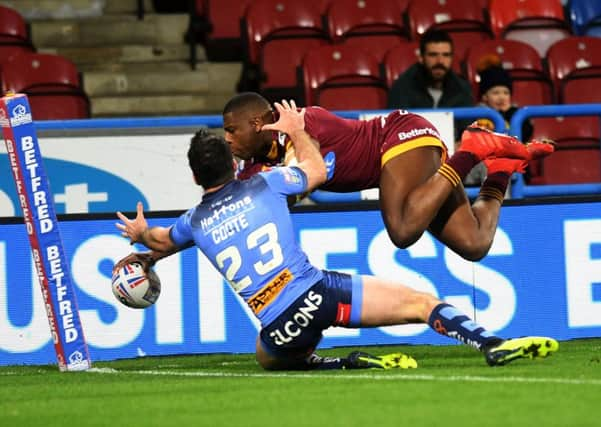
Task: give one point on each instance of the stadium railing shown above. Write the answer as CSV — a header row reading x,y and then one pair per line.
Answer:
x,y
520,189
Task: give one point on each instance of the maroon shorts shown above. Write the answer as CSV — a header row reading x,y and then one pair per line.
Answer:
x,y
404,131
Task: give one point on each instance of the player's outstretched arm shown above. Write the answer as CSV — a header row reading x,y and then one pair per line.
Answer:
x,y
292,122
147,259
137,230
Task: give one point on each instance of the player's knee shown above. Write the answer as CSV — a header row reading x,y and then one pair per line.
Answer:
x,y
403,238
266,362
418,306
474,250
402,233
402,242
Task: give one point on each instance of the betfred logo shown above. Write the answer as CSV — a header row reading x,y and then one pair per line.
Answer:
x,y
20,116
417,133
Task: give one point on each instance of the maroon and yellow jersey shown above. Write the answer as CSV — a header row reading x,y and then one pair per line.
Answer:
x,y
275,157
356,150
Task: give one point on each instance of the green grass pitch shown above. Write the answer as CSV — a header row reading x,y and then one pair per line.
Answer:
x,y
452,386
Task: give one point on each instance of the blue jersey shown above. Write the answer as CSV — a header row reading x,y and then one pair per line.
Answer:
x,y
245,230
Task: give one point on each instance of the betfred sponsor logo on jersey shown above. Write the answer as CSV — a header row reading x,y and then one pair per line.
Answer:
x,y
416,133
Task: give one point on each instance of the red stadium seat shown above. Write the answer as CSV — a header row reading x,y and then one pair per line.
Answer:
x,y
538,23
51,82
577,158
571,54
531,85
14,33
8,50
342,78
531,88
581,86
222,17
398,59
403,4
320,5
564,129
278,34
513,54
375,25
462,19
571,165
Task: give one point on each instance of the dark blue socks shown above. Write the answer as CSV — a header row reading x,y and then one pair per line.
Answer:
x,y
447,320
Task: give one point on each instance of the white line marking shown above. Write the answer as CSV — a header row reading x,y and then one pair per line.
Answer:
x,y
394,377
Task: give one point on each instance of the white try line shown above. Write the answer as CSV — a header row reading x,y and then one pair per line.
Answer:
x,y
370,376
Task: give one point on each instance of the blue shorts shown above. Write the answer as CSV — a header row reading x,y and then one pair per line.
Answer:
x,y
333,301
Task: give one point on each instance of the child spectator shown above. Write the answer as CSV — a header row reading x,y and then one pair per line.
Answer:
x,y
495,89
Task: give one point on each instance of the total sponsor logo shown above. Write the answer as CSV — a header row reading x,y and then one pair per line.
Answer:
x,y
20,116
416,133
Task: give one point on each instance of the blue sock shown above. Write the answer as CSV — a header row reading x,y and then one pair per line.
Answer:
x,y
447,320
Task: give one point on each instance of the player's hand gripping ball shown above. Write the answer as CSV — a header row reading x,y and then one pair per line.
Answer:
x,y
135,287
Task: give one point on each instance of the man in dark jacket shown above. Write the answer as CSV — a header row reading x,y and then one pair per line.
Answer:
x,y
431,82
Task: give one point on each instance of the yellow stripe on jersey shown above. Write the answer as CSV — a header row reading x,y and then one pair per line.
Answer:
x,y
424,141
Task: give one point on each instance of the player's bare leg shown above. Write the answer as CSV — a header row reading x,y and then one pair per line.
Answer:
x,y
414,198
385,302
389,303
418,192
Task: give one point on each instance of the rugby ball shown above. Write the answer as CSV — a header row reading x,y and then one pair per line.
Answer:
x,y
134,287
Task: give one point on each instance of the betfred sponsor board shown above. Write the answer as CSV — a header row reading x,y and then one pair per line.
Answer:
x,y
541,277
41,225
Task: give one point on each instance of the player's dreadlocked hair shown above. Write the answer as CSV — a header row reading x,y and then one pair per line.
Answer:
x,y
210,159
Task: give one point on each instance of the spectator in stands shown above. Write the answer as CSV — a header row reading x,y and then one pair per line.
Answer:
x,y
257,252
495,89
431,82
495,92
